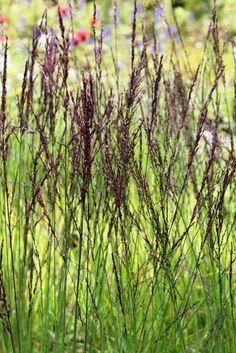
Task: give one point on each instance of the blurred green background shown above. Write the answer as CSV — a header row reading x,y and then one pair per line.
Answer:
x,y
19,17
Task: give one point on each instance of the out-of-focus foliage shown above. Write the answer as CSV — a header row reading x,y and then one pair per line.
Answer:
x,y
198,8
192,17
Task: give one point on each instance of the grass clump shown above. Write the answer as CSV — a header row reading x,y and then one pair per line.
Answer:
x,y
117,198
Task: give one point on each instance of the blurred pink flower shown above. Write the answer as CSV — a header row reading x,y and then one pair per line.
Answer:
x,y
4,19
2,38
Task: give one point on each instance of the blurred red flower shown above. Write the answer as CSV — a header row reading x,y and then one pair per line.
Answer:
x,y
80,36
4,19
64,10
94,21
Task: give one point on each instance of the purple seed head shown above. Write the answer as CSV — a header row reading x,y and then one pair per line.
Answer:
x,y
139,8
170,32
190,16
116,14
23,21
158,13
106,32
82,4
36,33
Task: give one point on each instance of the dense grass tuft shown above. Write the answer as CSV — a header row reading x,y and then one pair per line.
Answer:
x,y
118,206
